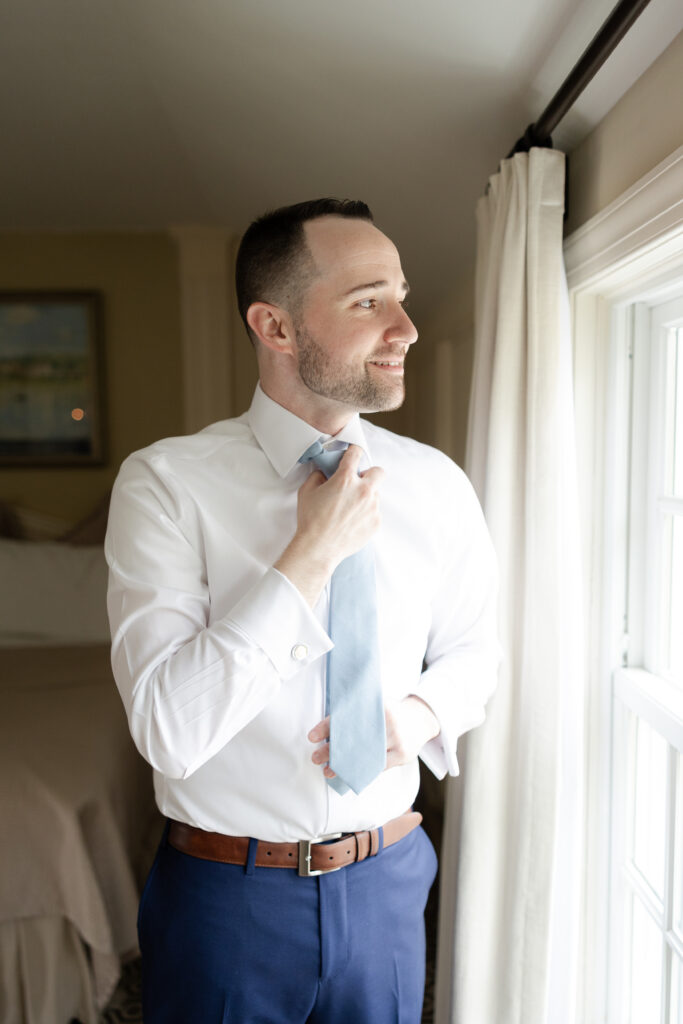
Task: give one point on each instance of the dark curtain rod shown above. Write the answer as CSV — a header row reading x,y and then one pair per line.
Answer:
x,y
594,56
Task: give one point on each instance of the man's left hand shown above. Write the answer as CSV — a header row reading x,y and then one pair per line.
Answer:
x,y
410,723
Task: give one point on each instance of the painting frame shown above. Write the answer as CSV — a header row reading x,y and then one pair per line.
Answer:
x,y
52,407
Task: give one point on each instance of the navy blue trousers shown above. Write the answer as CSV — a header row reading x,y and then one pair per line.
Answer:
x,y
224,944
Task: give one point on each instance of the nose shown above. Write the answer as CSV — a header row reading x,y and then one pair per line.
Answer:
x,y
402,328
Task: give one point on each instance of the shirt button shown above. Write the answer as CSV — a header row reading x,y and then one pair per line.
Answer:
x,y
299,652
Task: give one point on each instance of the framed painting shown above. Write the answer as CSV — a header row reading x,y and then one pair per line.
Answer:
x,y
51,393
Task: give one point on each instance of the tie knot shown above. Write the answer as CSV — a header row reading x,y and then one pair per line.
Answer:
x,y
324,460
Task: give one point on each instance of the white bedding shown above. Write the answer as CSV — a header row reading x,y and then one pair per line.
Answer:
x,y
52,593
76,804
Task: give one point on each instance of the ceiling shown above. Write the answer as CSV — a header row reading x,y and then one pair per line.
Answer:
x,y
141,114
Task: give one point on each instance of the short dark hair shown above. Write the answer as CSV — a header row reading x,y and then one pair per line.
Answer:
x,y
273,260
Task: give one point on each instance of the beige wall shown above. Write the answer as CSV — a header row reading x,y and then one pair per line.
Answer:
x,y
452,326
643,128
137,276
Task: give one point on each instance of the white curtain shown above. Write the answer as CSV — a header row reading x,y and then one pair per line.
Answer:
x,y
511,858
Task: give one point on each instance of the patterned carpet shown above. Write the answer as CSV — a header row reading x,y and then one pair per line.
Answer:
x,y
125,1004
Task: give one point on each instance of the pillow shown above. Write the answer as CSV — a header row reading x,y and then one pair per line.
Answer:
x,y
52,593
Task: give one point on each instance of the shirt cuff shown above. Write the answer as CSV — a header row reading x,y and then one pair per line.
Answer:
x,y
433,754
275,617
457,708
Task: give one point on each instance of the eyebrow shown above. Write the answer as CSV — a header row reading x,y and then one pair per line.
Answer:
x,y
375,284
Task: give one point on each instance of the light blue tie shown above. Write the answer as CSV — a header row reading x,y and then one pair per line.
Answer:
x,y
354,694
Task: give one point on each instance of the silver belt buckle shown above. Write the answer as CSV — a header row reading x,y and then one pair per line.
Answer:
x,y
305,855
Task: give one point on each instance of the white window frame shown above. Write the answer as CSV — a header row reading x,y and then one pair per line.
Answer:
x,y
643,694
631,251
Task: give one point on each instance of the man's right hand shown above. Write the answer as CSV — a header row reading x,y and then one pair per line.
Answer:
x,y
335,518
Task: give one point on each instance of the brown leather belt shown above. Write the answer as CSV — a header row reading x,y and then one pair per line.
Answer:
x,y
309,857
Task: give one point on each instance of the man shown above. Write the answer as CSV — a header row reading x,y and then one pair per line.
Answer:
x,y
222,549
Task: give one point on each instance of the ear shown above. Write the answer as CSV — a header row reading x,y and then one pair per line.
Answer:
x,y
272,326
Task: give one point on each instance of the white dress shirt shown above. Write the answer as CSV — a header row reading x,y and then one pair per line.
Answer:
x,y
221,663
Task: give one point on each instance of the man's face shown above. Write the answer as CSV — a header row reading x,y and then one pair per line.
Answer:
x,y
352,332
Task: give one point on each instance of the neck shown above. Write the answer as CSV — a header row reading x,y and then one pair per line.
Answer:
x,y
327,416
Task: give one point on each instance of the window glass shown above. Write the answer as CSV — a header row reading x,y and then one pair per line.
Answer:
x,y
675,602
670,494
678,857
675,412
676,1012
646,967
649,824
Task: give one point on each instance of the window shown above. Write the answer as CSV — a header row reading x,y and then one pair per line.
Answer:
x,y
625,275
645,939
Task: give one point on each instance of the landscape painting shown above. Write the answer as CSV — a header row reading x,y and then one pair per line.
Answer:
x,y
50,378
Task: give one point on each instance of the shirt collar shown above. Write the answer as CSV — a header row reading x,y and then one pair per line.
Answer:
x,y
284,437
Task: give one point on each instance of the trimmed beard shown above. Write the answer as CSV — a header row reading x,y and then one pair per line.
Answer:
x,y
342,383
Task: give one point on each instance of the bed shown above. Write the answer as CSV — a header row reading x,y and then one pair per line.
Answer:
x,y
78,815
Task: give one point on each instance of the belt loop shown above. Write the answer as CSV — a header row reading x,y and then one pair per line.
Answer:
x,y
381,840
251,857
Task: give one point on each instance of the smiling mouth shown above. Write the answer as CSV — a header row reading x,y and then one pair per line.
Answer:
x,y
387,364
